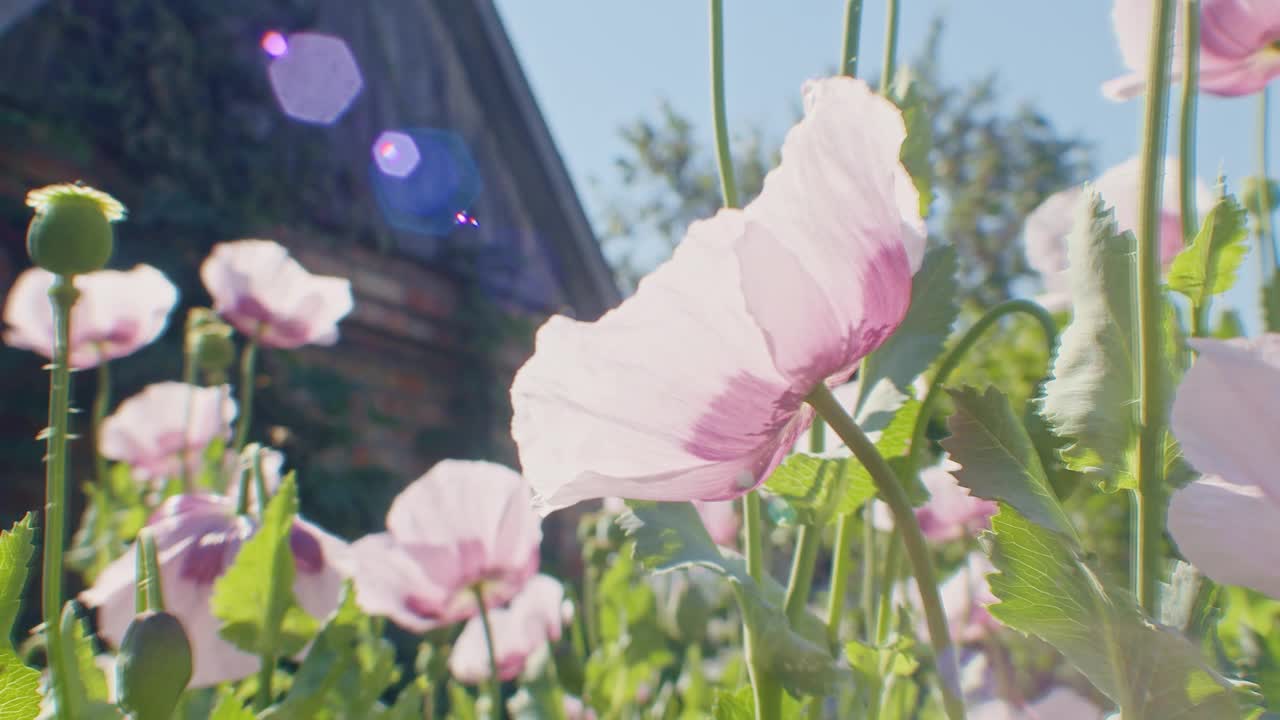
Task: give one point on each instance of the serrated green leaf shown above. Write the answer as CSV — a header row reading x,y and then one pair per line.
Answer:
x,y
329,657
999,461
87,685
19,684
915,150
1209,265
821,487
1046,590
912,348
669,536
254,598
1092,395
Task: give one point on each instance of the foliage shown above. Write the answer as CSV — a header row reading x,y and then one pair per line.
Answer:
x,y
19,685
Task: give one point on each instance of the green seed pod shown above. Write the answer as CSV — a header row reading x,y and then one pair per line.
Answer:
x,y
71,232
154,665
212,348
1251,195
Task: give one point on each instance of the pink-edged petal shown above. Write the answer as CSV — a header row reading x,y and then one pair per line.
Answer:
x,y
467,499
1224,412
533,618
263,291
951,512
1045,234
1224,529
166,425
390,583
322,563
1237,29
720,520
671,396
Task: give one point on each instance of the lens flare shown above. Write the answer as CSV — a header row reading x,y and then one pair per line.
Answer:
x,y
316,79
396,154
274,44
425,180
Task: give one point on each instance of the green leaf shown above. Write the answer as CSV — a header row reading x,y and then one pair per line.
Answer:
x,y
19,684
919,141
1093,393
230,708
1208,266
912,348
737,705
254,597
330,656
1045,590
823,487
408,705
669,536
999,461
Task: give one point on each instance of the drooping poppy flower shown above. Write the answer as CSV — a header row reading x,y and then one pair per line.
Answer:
x,y
464,525
118,312
1048,226
1239,46
1224,416
197,538
950,513
519,630
165,426
694,387
266,294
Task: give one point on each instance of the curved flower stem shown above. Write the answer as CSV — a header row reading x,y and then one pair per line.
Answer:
x,y
247,358
1149,497
890,66
953,357
724,160
494,686
852,30
841,557
63,295
904,519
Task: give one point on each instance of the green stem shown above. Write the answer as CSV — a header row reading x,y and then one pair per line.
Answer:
x,y
1149,498
852,30
953,357
101,402
150,593
884,610
63,295
753,532
1266,239
247,358
266,675
189,378
868,597
494,685
724,160
904,519
808,542
1187,120
890,65
841,558
765,690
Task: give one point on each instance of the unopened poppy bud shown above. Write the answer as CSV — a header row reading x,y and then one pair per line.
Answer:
x,y
1251,195
211,347
154,665
71,231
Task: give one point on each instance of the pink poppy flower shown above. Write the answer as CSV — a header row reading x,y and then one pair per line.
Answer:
x,y
531,620
118,312
1224,416
575,709
1048,226
693,388
965,597
197,538
463,525
1239,46
951,513
166,425
262,291
720,519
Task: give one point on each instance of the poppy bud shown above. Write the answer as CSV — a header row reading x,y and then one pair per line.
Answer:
x,y
154,665
71,231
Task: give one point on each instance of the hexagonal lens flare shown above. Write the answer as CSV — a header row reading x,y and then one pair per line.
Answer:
x,y
425,180
314,77
396,154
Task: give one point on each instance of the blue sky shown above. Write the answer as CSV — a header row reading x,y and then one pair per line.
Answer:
x,y
597,65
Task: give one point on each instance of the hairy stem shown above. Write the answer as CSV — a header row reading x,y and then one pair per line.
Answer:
x,y
1149,498
890,66
913,541
724,160
63,295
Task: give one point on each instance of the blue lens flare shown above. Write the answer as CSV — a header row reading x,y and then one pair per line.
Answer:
x,y
425,180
